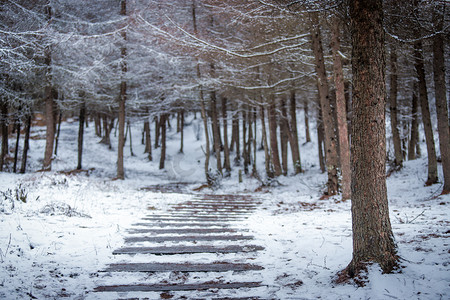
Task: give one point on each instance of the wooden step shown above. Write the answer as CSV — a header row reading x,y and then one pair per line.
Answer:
x,y
187,249
185,230
171,238
186,267
176,287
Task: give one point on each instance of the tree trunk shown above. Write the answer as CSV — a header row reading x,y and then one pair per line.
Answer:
x,y
341,111
58,131
216,129
237,139
284,131
81,134
122,99
426,119
373,241
16,148
269,172
274,140
26,145
131,138
50,129
414,140
306,112
244,140
327,113
181,130
163,122
295,148
98,125
148,140
398,157
440,94
4,127
157,131
226,150
320,141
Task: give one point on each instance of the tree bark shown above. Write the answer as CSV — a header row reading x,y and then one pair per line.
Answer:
x,y
331,157
81,134
440,94
98,125
131,138
426,119
284,131
414,139
163,123
4,127
216,129
393,91
341,111
181,131
26,145
122,99
274,140
148,139
237,139
295,148
16,147
373,241
244,140
269,172
306,112
226,149
58,131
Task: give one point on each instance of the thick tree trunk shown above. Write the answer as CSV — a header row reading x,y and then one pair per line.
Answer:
x,y
284,131
341,111
426,119
306,112
122,99
325,104
16,147
269,171
81,134
274,140
440,94
393,91
414,139
373,241
162,159
226,150
4,127
26,145
295,148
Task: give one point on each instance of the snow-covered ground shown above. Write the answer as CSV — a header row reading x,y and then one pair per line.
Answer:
x,y
54,244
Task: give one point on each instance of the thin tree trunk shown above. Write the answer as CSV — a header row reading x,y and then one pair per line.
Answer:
x,y
4,127
226,150
255,117
269,172
373,240
81,134
215,130
16,148
426,119
414,140
26,145
284,131
162,159
98,125
398,157
148,140
244,140
58,131
237,139
306,112
181,130
157,131
440,94
274,140
327,113
320,142
295,148
131,138
250,136
341,111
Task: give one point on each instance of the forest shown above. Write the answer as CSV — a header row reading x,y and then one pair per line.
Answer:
x,y
346,96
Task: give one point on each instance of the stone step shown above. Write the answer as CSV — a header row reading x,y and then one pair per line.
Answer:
x,y
176,287
186,267
184,231
171,238
187,249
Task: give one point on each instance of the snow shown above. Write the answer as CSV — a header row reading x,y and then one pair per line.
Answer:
x,y
55,245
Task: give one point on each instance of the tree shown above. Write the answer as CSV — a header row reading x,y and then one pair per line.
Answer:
x,y
373,241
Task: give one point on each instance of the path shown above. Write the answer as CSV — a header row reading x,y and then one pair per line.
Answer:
x,y
205,225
